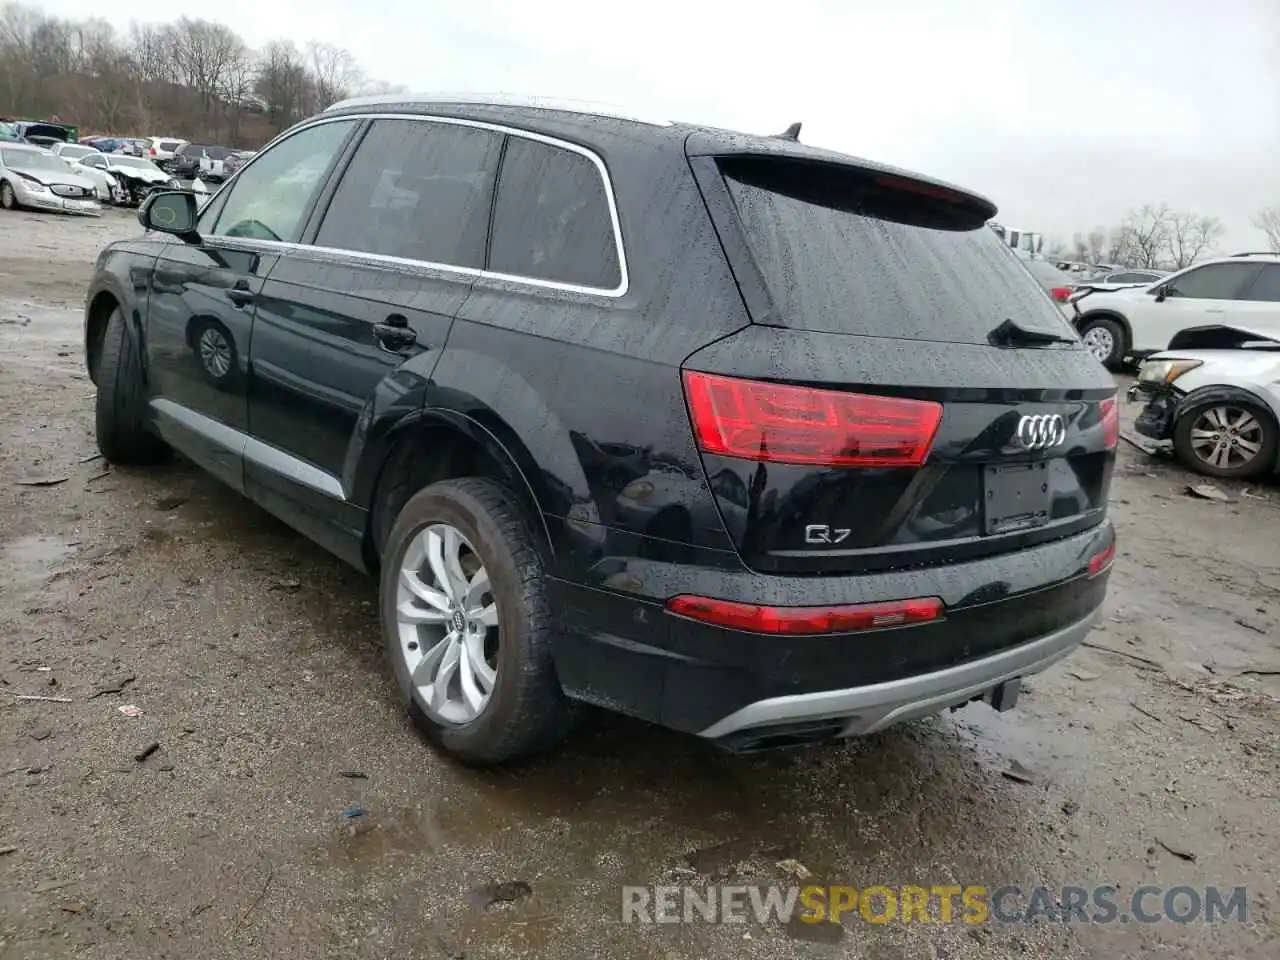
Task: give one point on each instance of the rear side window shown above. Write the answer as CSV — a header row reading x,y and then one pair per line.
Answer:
x,y
551,218
418,190
1267,286
1216,281
846,250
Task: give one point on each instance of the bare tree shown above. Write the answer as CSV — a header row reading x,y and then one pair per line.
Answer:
x,y
1190,236
334,71
204,53
284,83
1147,230
1268,221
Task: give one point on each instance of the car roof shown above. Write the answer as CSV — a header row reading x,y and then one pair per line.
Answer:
x,y
24,147
698,139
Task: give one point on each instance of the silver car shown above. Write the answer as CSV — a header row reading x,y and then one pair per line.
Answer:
x,y
33,177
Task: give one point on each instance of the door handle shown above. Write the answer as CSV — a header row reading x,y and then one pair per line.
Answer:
x,y
395,334
240,294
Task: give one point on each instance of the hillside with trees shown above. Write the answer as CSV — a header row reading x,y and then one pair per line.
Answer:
x,y
190,78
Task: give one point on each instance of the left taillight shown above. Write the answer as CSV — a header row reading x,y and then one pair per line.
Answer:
x,y
1109,414
1060,293
776,423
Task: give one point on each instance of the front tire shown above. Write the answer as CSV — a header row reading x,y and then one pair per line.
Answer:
x,y
7,200
1105,339
1230,439
466,622
120,415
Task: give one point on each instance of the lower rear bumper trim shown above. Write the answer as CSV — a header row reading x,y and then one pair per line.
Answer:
x,y
872,708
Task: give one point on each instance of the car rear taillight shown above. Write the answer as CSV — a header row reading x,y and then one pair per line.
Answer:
x,y
772,423
1109,414
850,618
152,151
1101,561
1060,293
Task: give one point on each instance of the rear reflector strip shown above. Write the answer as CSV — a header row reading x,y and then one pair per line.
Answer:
x,y
773,423
794,621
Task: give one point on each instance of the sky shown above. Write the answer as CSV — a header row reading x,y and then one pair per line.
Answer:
x,y
1066,114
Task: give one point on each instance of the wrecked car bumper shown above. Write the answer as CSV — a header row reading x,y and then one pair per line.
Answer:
x,y
1159,412
56,204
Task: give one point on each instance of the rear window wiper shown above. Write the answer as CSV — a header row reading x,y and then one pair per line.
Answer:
x,y
1012,334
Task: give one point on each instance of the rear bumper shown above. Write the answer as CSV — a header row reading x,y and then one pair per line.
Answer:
x,y
1006,616
865,710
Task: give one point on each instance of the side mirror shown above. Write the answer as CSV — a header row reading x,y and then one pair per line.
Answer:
x,y
1162,291
170,211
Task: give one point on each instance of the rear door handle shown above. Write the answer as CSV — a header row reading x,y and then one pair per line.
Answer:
x,y
395,334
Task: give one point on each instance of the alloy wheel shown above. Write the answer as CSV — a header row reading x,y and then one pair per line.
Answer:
x,y
1099,342
447,619
215,353
1227,437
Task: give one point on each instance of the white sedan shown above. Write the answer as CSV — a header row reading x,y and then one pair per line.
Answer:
x,y
136,176
33,177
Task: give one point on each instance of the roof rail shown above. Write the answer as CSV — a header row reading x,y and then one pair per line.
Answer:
x,y
1257,253
586,107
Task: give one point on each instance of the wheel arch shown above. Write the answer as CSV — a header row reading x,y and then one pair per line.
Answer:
x,y
439,443
97,313
1106,314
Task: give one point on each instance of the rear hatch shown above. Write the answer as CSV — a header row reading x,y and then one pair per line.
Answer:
x,y
906,393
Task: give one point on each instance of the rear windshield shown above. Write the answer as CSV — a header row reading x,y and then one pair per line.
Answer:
x,y
845,250
217,153
170,145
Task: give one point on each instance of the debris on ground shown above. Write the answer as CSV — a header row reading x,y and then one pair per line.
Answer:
x,y
1207,491
169,503
1018,773
130,710
147,751
1082,675
509,891
794,868
5,851
115,686
34,697
352,812
42,481
40,733
1179,852
1070,807
72,906
353,774
288,586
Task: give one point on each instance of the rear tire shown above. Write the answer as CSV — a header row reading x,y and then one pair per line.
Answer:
x,y
121,410
1105,339
526,711
1203,439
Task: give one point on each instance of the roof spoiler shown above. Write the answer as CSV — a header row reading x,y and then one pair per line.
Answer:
x,y
791,133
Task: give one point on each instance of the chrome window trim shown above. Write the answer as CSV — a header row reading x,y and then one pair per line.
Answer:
x,y
624,272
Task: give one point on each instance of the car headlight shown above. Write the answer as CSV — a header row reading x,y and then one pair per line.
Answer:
x,y
35,187
1165,371
638,490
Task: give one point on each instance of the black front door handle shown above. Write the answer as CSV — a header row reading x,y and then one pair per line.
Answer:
x,y
395,336
240,294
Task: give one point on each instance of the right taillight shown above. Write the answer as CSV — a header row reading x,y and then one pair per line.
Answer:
x,y
1060,293
770,422
1109,414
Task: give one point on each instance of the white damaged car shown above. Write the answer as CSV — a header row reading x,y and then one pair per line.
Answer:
x,y
1215,396
34,178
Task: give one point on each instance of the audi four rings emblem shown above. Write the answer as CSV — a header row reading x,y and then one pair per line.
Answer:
x,y
1041,431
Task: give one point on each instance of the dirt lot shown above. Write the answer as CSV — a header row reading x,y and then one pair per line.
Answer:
x,y
254,660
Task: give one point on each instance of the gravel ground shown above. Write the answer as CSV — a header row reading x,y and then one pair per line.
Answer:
x,y
254,660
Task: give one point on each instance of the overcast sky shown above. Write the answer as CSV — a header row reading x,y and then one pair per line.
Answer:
x,y
1066,114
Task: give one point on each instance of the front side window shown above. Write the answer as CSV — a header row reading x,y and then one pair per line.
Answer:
x,y
269,199
1217,281
551,218
418,190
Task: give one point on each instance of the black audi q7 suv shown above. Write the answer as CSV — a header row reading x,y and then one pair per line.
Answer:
x,y
746,438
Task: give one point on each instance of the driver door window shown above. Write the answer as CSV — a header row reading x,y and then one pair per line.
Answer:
x,y
1217,281
94,160
270,197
